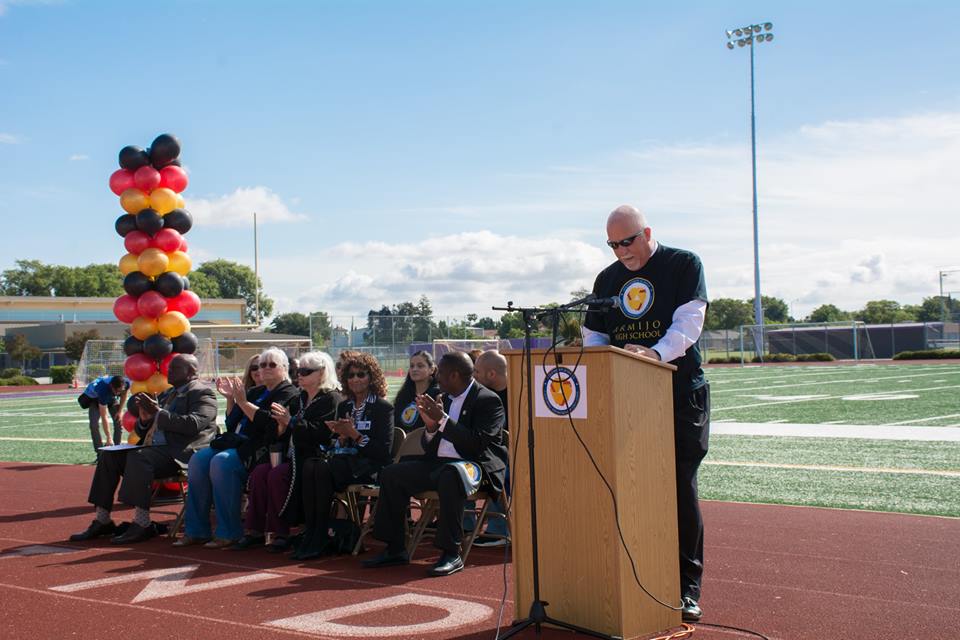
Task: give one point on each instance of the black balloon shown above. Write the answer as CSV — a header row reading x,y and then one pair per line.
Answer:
x,y
186,283
169,284
186,342
178,220
136,284
176,163
149,221
132,405
164,150
157,346
125,224
132,345
133,157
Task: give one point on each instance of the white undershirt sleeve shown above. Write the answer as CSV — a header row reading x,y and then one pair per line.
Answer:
x,y
594,338
683,332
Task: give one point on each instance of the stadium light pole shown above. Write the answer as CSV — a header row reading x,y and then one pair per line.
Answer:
x,y
741,37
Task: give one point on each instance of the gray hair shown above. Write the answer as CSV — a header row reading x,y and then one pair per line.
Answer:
x,y
321,360
274,354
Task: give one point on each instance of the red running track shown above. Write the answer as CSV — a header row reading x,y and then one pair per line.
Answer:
x,y
786,572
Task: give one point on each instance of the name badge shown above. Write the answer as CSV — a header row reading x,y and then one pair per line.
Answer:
x,y
363,425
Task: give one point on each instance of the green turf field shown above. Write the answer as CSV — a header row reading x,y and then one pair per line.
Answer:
x,y
890,475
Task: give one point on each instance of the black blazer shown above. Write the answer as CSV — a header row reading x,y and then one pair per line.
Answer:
x,y
376,455
189,424
477,434
262,429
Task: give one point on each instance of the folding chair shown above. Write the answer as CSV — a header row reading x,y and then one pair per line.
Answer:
x,y
158,483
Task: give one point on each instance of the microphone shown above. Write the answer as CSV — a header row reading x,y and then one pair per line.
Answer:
x,y
603,303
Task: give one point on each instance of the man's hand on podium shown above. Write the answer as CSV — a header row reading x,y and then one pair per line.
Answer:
x,y
644,351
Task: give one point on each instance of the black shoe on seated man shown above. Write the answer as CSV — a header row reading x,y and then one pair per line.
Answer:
x,y
486,541
387,558
691,610
449,563
95,530
135,533
248,540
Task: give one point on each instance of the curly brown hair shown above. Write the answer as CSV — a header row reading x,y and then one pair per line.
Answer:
x,y
364,362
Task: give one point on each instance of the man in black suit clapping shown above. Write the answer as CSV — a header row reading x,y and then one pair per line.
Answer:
x,y
172,428
463,445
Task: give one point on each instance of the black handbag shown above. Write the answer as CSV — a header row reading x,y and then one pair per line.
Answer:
x,y
227,440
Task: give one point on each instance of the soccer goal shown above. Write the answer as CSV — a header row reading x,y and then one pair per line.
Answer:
x,y
441,347
847,340
106,358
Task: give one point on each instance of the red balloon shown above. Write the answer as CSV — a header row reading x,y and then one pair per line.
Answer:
x,y
125,308
183,244
129,421
165,363
187,303
121,180
174,178
146,178
152,304
167,240
139,367
136,242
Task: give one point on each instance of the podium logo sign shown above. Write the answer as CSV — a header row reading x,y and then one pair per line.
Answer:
x,y
563,392
636,296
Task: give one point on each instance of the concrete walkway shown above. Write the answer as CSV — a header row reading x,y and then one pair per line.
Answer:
x,y
868,431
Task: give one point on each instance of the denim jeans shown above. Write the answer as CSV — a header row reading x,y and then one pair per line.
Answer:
x,y
216,478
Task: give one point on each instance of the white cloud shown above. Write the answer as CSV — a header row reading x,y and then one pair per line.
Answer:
x,y
236,209
79,157
460,273
9,138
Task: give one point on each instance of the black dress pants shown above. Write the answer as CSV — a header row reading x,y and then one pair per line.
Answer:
x,y
399,482
691,413
321,479
134,471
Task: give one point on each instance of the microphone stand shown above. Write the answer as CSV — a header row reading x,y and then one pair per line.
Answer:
x,y
538,608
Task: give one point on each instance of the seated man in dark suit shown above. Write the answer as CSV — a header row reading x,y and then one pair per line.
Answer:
x,y
462,445
172,428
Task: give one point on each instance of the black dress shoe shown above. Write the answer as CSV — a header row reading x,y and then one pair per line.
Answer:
x,y
386,559
279,545
448,564
247,541
134,533
95,530
691,610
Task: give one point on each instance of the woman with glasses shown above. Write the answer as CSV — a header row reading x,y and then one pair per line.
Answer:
x,y
421,378
359,446
251,377
217,474
301,433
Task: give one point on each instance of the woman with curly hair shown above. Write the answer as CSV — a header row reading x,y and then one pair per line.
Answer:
x,y
421,378
359,447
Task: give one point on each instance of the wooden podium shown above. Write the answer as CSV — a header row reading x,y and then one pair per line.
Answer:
x,y
622,406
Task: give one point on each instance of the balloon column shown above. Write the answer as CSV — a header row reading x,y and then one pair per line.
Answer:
x,y
158,302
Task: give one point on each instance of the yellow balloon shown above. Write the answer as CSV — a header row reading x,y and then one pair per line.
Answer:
x,y
134,200
179,262
129,263
142,328
181,203
152,262
163,200
133,438
157,383
173,324
138,387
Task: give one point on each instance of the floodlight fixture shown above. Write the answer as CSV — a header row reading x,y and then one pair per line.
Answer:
x,y
767,26
729,45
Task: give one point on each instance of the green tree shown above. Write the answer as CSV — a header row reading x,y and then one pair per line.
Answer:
x,y
828,313
238,281
511,325
294,324
73,345
774,309
486,323
34,278
728,313
882,312
20,349
203,285
937,308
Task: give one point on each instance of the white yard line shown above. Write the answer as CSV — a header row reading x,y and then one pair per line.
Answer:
x,y
893,424
860,431
826,382
5,439
816,399
817,467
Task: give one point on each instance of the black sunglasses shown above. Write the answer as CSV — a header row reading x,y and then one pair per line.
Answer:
x,y
254,367
357,374
303,372
626,242
272,365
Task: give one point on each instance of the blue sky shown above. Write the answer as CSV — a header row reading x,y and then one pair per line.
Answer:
x,y
471,151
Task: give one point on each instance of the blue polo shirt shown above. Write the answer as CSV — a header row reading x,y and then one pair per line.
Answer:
x,y
101,390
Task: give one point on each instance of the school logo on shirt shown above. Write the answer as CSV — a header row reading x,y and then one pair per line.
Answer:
x,y
409,415
561,391
636,297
